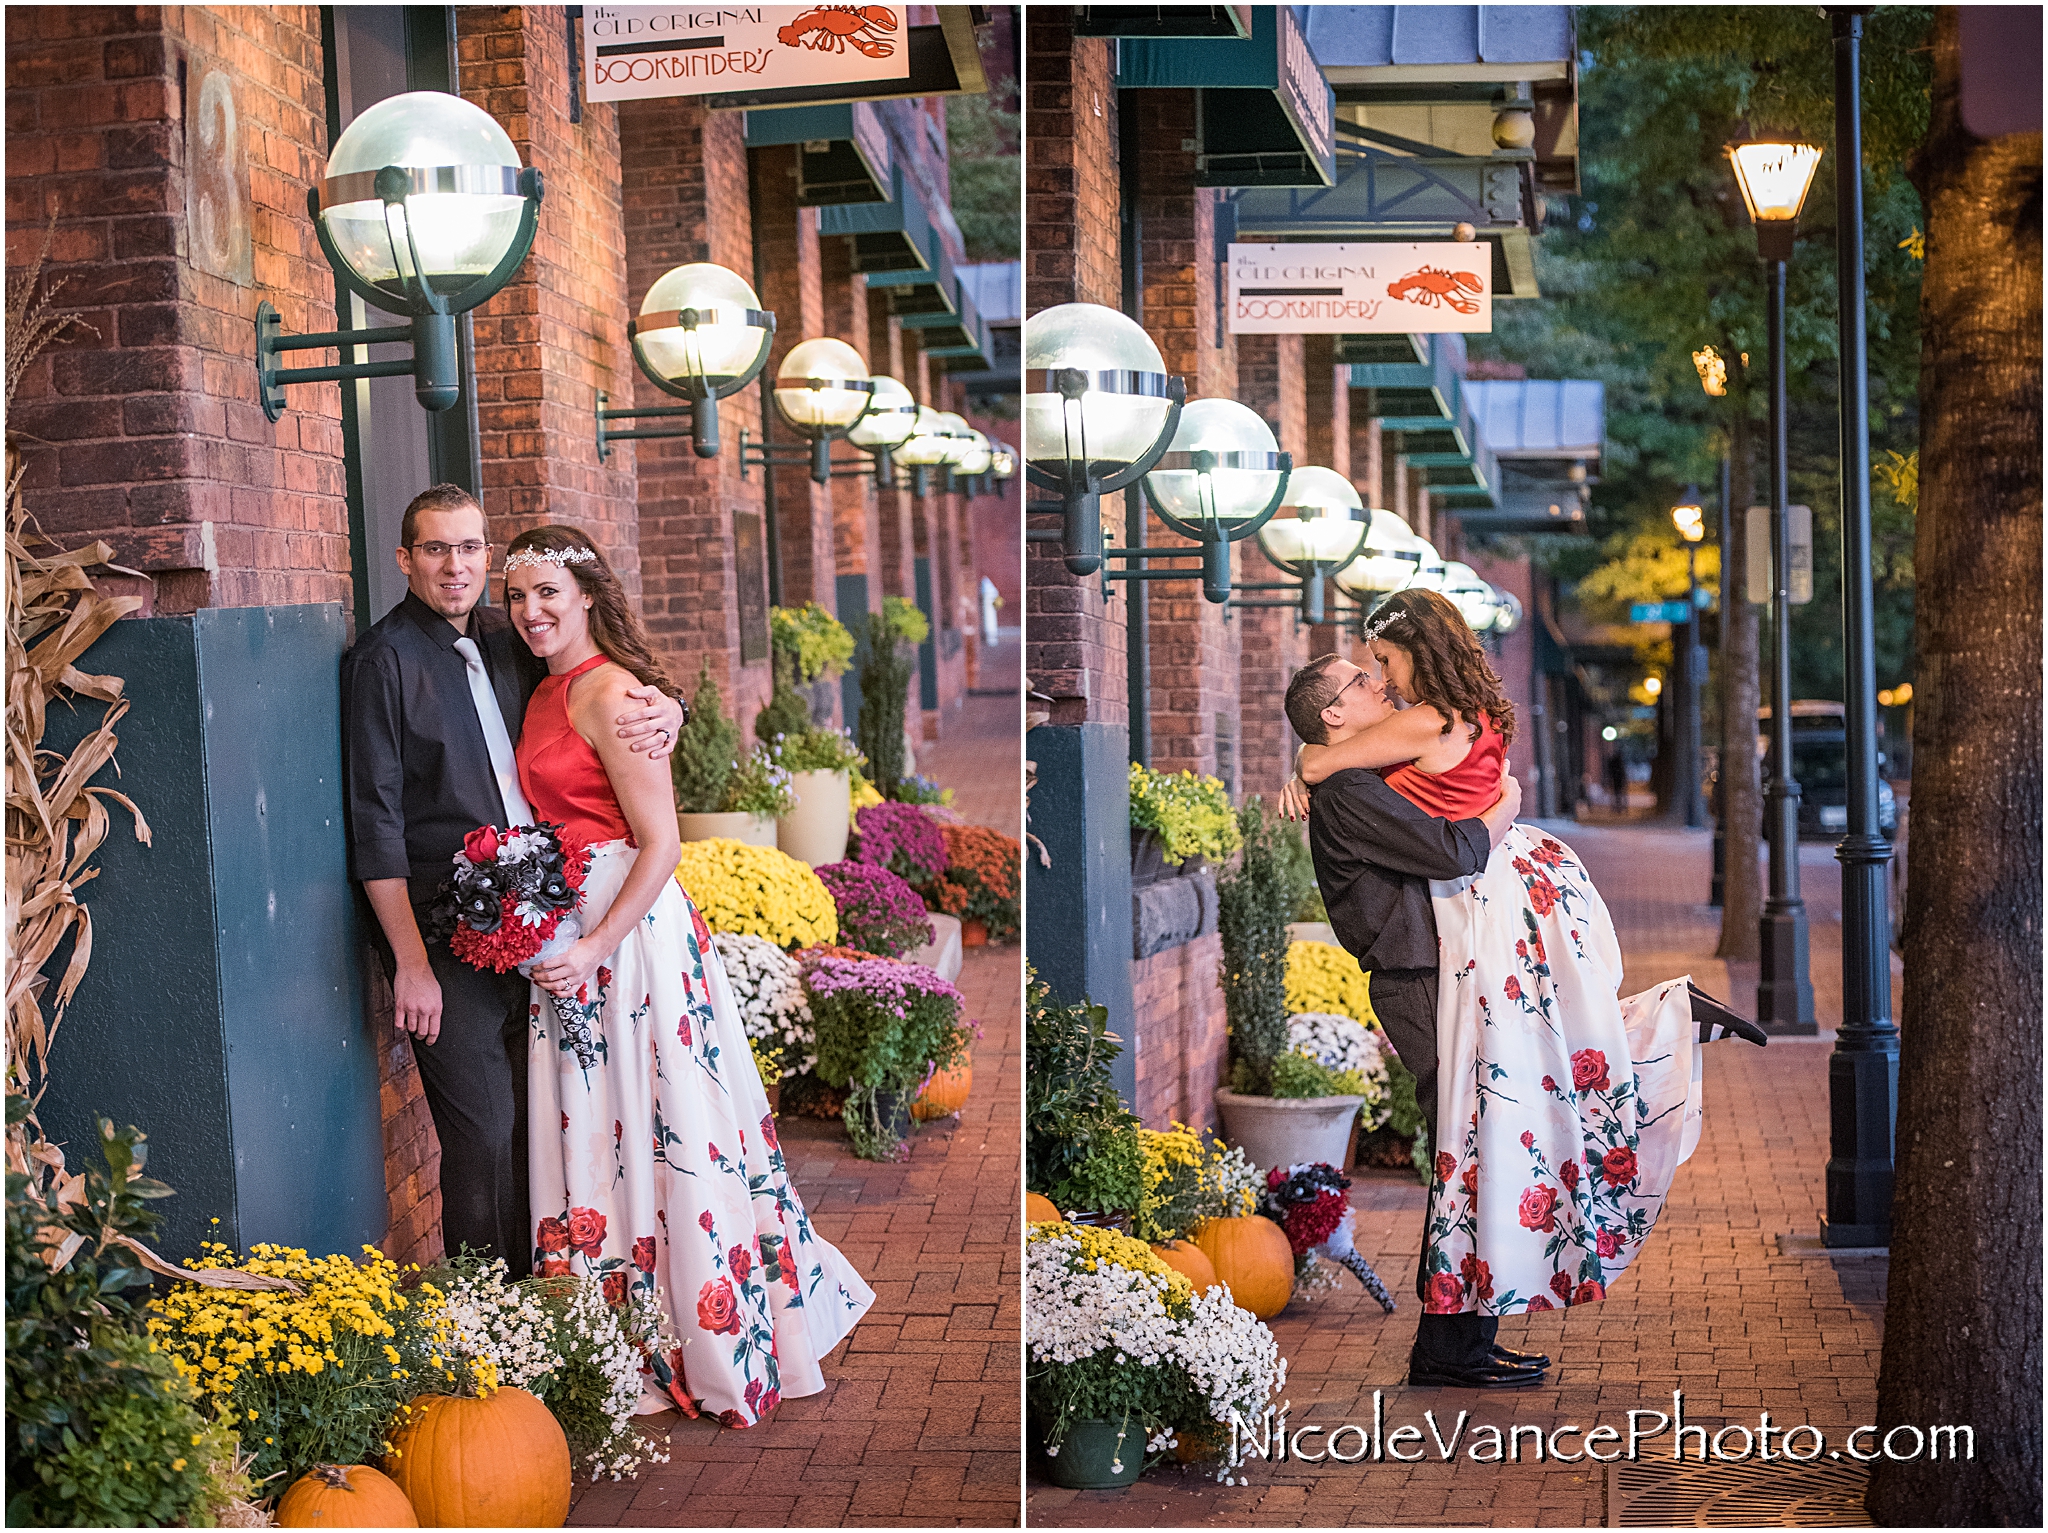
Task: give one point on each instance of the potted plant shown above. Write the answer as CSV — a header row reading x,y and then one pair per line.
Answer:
x,y
885,680
1253,906
878,912
820,763
707,747
757,891
882,1027
1178,821
906,841
1352,1057
1191,1178
768,987
981,883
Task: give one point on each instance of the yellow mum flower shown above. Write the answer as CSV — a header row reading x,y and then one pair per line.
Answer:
x,y
1323,977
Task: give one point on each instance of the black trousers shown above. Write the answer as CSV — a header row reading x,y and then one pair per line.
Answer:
x,y
1405,1002
475,1079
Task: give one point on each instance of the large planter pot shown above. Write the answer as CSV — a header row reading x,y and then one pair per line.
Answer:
x,y
816,830
752,829
974,934
1084,1459
1281,1131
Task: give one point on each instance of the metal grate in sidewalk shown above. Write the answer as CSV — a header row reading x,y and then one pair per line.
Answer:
x,y
1778,1494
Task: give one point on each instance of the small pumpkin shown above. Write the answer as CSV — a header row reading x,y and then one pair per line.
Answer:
x,y
946,1092
1253,1257
345,1496
1186,1258
1039,1209
500,1462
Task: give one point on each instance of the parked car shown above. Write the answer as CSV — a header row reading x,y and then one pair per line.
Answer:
x,y
1820,765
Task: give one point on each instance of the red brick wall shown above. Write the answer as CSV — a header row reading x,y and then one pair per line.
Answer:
x,y
1368,471
1183,1034
146,430
557,333
1272,379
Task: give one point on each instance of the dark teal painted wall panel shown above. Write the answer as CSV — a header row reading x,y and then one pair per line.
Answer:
x,y
222,1013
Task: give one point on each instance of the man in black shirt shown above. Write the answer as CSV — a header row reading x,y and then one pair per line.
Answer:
x,y
1375,853
432,699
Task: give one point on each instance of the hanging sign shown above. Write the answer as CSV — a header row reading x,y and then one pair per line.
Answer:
x,y
1757,535
632,52
1361,289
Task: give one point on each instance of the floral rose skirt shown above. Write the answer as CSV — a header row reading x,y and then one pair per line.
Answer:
x,y
1564,1111
658,1168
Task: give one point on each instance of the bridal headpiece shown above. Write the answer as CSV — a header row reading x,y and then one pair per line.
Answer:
x,y
559,557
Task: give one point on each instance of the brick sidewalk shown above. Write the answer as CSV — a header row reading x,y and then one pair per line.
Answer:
x,y
1711,1307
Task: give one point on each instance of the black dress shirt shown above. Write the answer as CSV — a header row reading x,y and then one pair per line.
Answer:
x,y
1374,853
416,772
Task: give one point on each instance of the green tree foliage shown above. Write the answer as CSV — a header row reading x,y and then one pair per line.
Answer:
x,y
981,140
885,689
1656,258
706,746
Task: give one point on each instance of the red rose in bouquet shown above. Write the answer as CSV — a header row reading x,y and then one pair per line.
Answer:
x,y
510,892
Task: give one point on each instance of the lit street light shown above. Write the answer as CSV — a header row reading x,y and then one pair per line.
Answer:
x,y
1691,522
1774,177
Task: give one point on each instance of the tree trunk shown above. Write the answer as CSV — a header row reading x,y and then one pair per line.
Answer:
x,y
1962,1340
1742,803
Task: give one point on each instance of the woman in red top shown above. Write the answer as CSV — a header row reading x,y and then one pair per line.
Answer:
x,y
1563,1111
653,1156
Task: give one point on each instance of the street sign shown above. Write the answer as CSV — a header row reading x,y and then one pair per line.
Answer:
x,y
1757,531
1658,611
1361,289
633,52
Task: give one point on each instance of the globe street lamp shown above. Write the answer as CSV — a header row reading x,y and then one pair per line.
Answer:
x,y
1219,482
1323,535
425,210
822,389
1472,596
959,439
1386,562
927,447
1774,177
701,335
889,423
1690,518
1099,409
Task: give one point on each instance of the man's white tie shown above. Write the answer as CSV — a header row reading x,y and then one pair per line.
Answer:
x,y
496,738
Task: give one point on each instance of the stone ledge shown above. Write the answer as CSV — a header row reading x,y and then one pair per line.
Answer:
x,y
1172,912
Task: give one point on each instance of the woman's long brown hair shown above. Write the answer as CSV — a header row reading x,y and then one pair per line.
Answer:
x,y
1451,671
615,627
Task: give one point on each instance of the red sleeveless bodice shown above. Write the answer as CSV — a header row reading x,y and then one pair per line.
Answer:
x,y
1467,790
560,772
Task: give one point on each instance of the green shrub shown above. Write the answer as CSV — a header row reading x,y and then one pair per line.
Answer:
x,y
1251,917
1299,1073
1072,1113
885,689
818,645
1298,874
705,748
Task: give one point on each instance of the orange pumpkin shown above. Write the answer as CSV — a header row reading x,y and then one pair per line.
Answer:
x,y
496,1463
946,1092
1038,1209
1186,1258
1252,1256
345,1496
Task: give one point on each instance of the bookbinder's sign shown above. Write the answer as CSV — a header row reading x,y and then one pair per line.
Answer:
x,y
631,52
1361,289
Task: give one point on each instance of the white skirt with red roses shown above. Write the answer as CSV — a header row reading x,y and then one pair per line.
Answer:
x,y
1564,1112
657,1169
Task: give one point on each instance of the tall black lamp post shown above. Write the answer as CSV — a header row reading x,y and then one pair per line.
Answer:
x,y
1691,522
1863,1072
1774,176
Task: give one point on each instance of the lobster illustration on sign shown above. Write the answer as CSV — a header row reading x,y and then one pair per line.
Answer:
x,y
829,28
1433,285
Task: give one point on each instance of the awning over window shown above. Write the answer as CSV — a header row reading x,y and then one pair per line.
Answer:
x,y
1265,114
946,328
845,151
890,236
932,291
1413,396
1547,435
944,61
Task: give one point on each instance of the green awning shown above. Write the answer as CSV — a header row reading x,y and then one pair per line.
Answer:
x,y
1162,20
948,328
934,291
893,236
1265,115
974,355
844,154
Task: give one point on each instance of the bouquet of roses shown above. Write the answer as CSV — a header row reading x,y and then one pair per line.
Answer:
x,y
511,902
1307,1201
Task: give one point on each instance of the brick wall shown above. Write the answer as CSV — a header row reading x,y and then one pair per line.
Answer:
x,y
556,334
171,148
1183,1032
1273,644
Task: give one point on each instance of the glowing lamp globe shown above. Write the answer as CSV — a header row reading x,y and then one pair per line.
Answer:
x,y
700,327
1472,596
928,444
958,436
1429,570
1320,526
1222,467
1386,561
891,418
457,211
1096,391
822,387
1510,616
977,459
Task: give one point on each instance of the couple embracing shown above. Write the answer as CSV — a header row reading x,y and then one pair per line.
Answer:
x,y
605,1119
1558,1110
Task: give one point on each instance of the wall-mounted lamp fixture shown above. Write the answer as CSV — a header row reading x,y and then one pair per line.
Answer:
x,y
1323,535
702,335
1099,410
927,447
890,422
1218,483
822,390
425,210
1386,562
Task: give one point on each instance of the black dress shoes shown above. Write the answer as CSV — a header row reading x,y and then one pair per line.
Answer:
x,y
1508,1357
1487,1375
1716,1021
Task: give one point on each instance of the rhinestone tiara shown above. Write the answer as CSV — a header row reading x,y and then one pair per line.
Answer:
x,y
558,557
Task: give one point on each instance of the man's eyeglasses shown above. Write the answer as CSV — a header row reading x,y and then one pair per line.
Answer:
x,y
468,549
1354,681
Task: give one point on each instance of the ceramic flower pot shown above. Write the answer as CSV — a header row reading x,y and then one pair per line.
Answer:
x,y
815,831
1085,1459
1284,1131
752,829
974,934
